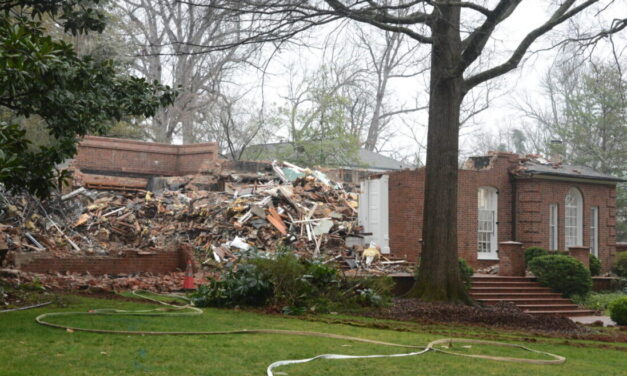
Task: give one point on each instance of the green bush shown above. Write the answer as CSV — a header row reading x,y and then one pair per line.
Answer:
x,y
618,311
533,252
285,275
595,265
599,301
241,285
293,285
620,265
466,272
563,274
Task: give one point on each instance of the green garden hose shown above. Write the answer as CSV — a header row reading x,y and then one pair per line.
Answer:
x,y
189,310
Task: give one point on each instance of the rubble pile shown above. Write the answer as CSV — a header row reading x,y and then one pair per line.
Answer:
x,y
295,208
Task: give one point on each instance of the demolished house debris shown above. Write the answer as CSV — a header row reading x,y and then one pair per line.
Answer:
x,y
293,208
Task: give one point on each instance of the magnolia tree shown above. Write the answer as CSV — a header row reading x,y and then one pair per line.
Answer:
x,y
457,34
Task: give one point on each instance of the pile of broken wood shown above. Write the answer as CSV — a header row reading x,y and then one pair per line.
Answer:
x,y
297,209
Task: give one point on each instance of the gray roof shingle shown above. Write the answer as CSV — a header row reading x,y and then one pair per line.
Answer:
x,y
550,169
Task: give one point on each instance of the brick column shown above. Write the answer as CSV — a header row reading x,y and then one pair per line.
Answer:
x,y
511,259
582,254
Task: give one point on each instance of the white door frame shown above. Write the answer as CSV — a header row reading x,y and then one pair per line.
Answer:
x,y
374,211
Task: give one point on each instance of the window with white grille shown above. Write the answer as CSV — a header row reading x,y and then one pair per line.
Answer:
x,y
553,227
487,223
573,218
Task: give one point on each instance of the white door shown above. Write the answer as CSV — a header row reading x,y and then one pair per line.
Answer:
x,y
487,230
373,211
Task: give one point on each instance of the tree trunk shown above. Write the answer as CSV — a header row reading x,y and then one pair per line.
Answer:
x,y
438,277
187,126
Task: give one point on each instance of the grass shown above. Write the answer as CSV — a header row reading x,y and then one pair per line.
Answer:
x,y
599,300
31,349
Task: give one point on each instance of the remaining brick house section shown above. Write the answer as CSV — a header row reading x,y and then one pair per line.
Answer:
x,y
105,155
501,197
115,163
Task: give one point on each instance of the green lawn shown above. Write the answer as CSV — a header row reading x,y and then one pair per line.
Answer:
x,y
31,349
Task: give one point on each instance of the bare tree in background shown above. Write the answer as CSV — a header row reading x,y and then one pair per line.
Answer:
x,y
390,56
587,112
457,40
234,123
171,40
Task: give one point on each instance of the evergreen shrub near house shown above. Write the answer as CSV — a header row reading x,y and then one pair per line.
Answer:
x,y
563,274
620,265
465,272
533,252
293,285
595,265
618,311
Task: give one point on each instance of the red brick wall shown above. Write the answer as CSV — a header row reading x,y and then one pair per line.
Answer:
x,y
138,157
406,196
406,202
159,263
535,196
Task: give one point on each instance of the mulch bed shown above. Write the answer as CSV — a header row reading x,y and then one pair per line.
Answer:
x,y
503,315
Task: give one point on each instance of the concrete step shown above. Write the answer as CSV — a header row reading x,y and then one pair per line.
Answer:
x,y
509,296
504,290
526,293
566,313
505,284
484,278
548,307
519,301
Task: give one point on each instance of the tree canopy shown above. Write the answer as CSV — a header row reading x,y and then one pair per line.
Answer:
x,y
74,95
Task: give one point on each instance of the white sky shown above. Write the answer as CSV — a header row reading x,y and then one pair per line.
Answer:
x,y
522,82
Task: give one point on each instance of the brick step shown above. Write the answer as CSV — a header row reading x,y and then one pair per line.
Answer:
x,y
519,301
548,307
569,313
502,279
502,290
505,284
508,296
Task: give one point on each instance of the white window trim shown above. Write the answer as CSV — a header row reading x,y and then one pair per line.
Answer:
x,y
493,254
578,200
553,227
594,230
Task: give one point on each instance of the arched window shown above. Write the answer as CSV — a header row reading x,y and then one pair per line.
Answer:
x,y
487,239
573,218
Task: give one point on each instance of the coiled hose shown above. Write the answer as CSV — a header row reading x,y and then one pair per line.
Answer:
x,y
190,310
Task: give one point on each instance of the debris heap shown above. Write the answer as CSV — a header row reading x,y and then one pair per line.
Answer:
x,y
294,208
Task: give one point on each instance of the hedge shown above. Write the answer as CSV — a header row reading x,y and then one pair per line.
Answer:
x,y
563,274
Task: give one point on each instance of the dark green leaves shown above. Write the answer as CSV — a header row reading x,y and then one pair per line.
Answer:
x,y
73,95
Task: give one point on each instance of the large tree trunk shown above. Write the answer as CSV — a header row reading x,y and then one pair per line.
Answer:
x,y
438,276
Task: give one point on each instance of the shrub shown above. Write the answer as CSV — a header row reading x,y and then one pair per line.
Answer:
x,y
618,311
599,301
563,274
285,274
533,252
620,265
374,291
241,285
465,272
293,285
595,265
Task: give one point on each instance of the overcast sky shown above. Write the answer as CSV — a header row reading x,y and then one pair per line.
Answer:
x,y
521,83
